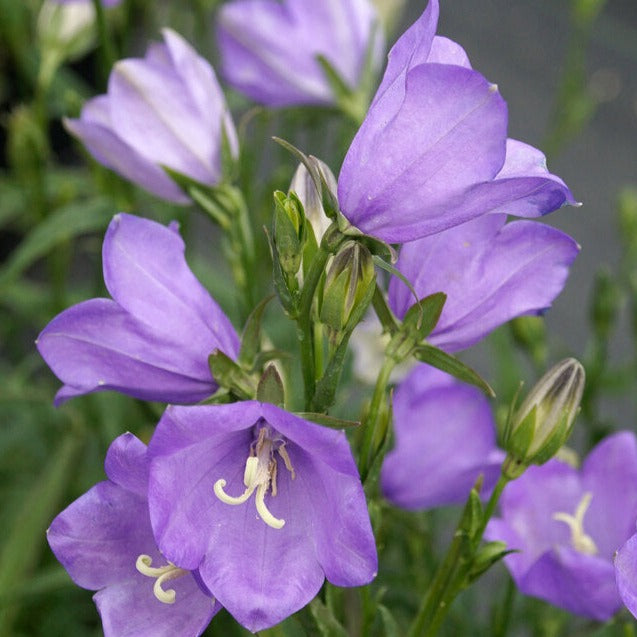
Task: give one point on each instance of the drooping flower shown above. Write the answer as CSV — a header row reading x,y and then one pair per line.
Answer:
x,y
445,439
263,503
105,542
166,109
433,151
567,524
152,341
269,49
491,271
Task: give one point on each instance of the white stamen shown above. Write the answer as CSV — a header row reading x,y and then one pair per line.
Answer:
x,y
580,540
162,574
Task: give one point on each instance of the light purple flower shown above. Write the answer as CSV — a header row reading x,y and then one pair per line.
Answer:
x,y
153,340
567,525
626,573
433,151
269,49
491,271
265,504
445,439
166,109
102,537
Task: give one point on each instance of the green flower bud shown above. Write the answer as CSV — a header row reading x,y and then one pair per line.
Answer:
x,y
544,420
289,234
349,283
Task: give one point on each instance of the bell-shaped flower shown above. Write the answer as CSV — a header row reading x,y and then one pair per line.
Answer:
x,y
626,573
491,272
166,109
565,525
263,503
105,542
270,50
445,439
433,151
152,341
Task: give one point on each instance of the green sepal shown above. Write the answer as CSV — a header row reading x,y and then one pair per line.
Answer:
x,y
553,443
517,441
288,298
229,375
328,421
270,388
289,231
485,557
423,316
472,515
251,337
333,307
447,363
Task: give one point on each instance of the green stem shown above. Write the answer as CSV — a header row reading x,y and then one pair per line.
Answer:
x,y
372,417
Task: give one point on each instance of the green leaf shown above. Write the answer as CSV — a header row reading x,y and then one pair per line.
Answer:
x,y
327,624
230,376
424,315
452,365
486,556
63,224
270,387
390,625
328,421
251,337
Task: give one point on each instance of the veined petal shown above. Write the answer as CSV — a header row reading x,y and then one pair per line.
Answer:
x,y
448,134
146,273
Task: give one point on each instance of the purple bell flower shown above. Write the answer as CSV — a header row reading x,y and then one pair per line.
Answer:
x,y
433,151
263,503
626,573
105,542
166,109
567,524
153,340
491,271
445,439
269,49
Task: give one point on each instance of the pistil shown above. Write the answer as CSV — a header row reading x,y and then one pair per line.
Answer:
x,y
580,540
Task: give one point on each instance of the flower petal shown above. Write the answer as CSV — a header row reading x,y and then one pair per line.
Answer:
x,y
625,567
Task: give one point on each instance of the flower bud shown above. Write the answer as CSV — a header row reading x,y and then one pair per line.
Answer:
x,y
544,420
289,231
348,285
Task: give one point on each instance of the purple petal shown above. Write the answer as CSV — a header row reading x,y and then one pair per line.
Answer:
x,y
97,346
581,584
417,162
446,51
98,537
126,464
607,471
445,438
491,273
146,273
626,573
282,71
129,609
94,130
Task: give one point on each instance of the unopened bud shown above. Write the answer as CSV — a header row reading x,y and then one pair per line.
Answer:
x,y
545,418
305,188
289,223
347,285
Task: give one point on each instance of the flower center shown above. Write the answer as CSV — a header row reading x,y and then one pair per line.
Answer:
x,y
579,539
162,574
260,475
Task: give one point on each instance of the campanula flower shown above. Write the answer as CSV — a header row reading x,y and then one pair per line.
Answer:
x,y
566,524
445,439
263,503
105,542
433,151
626,573
152,341
491,271
269,49
166,109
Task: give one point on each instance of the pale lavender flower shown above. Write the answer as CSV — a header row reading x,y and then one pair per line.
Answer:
x,y
105,542
433,150
166,109
626,573
153,340
269,49
263,503
566,524
491,271
445,439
